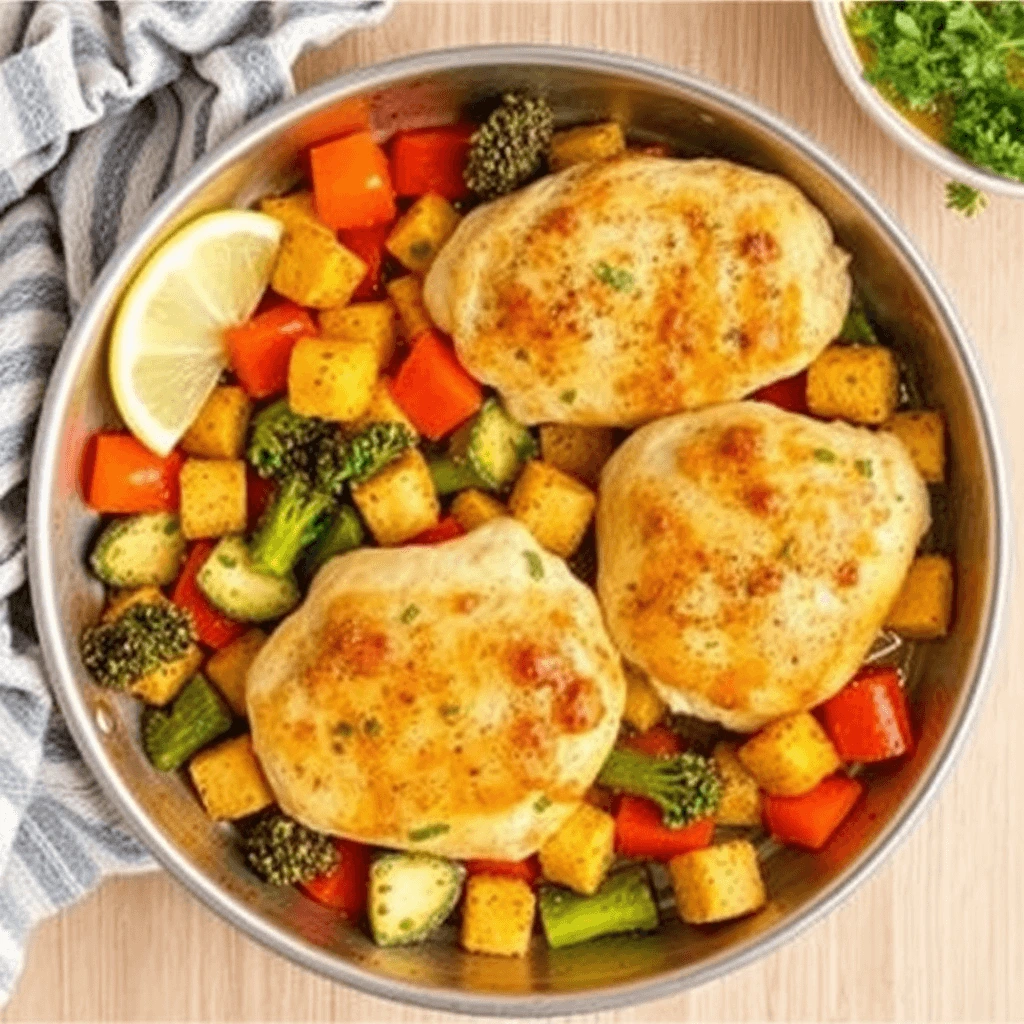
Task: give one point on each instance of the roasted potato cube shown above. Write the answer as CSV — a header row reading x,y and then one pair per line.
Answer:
x,y
644,708
228,667
363,321
332,379
554,506
473,508
924,435
419,234
295,210
587,142
314,269
717,883
162,684
859,383
230,781
212,497
497,915
924,605
740,802
218,432
407,295
384,409
578,451
400,501
579,854
789,756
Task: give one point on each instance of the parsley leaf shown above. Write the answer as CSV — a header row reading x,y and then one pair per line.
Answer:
x,y
964,199
615,277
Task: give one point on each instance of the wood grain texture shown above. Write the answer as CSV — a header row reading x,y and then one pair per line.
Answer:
x,y
937,934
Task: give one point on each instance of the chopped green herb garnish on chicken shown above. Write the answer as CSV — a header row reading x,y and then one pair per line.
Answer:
x,y
143,638
686,787
283,852
197,717
508,149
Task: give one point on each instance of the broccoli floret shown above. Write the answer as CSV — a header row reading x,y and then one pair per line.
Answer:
x,y
197,717
508,149
283,852
295,518
283,444
144,637
363,455
686,787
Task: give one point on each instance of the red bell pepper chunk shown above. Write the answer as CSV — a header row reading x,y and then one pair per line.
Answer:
x,y
447,529
344,887
528,870
658,741
261,348
258,493
431,160
640,831
433,389
368,245
809,820
789,394
121,475
352,183
868,720
213,628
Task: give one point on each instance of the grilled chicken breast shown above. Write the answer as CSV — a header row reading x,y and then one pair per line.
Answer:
x,y
458,699
616,292
748,556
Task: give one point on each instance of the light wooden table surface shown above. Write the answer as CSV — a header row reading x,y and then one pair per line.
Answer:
x,y
937,934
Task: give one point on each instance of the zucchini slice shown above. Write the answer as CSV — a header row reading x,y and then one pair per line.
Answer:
x,y
140,551
494,445
411,895
233,585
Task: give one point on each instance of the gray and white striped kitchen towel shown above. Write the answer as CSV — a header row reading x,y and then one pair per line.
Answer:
x,y
102,106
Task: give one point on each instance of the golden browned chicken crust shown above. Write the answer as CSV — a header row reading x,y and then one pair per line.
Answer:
x,y
748,556
619,291
458,698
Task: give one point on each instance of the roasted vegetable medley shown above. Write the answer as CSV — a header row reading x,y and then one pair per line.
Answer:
x,y
344,420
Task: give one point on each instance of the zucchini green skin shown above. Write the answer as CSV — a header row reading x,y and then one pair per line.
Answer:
x,y
234,586
450,475
411,896
495,445
624,903
139,551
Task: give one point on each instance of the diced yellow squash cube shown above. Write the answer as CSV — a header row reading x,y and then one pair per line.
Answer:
x,y
419,234
924,436
212,497
578,451
579,854
644,708
332,379
587,142
230,781
162,684
473,508
400,501
717,883
314,269
228,667
384,409
555,507
218,432
407,295
363,321
789,756
497,915
294,210
740,802
924,606
859,383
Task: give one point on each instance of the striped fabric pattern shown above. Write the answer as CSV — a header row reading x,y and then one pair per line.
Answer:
x,y
102,106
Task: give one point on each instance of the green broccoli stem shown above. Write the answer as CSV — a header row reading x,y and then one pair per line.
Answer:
x,y
197,717
344,534
624,903
685,787
451,475
293,522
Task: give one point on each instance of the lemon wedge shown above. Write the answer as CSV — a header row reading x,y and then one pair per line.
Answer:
x,y
166,350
